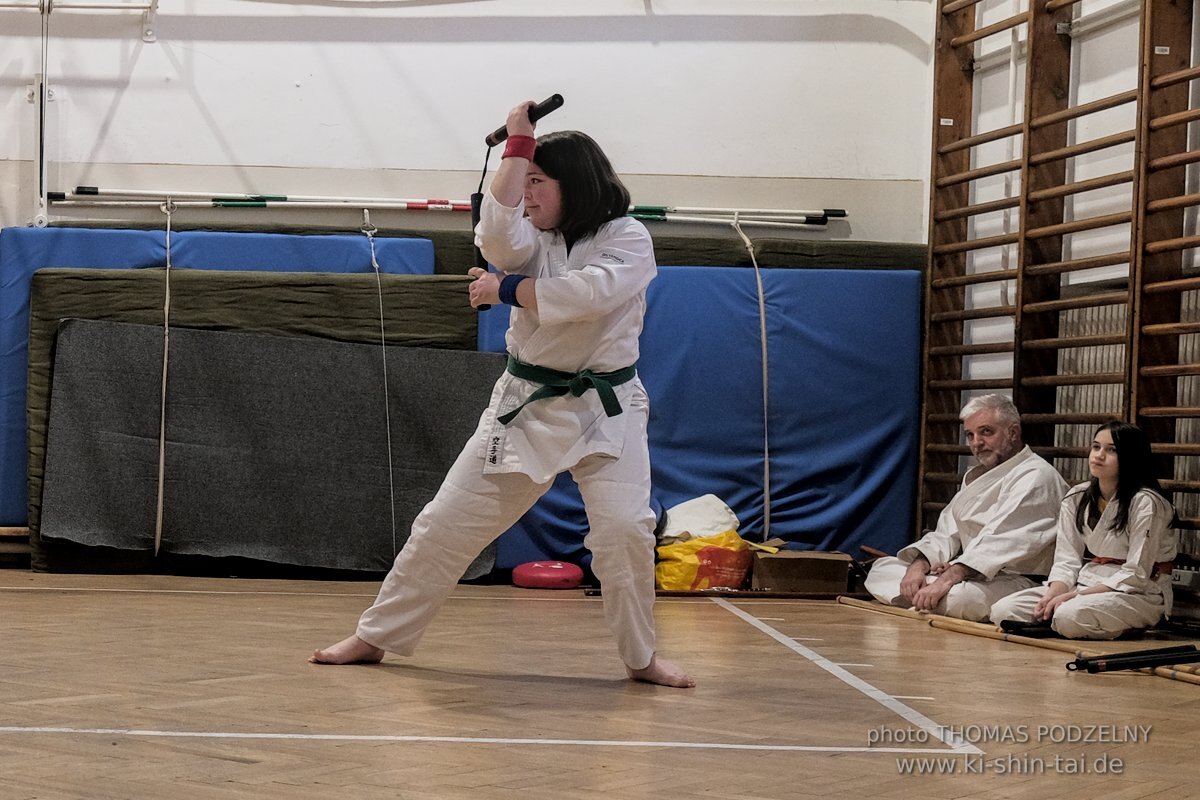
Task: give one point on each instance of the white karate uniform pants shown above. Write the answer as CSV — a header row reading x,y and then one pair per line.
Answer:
x,y
970,600
1105,615
471,509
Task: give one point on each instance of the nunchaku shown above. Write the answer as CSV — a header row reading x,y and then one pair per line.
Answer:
x,y
551,103
1136,659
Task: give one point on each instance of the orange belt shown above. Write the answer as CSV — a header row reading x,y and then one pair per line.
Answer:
x,y
1160,568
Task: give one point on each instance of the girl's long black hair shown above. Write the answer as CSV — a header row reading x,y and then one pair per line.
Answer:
x,y
592,194
1134,472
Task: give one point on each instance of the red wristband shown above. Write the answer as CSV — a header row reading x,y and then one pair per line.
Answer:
x,y
520,146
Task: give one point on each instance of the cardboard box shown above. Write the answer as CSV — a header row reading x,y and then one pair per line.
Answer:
x,y
800,571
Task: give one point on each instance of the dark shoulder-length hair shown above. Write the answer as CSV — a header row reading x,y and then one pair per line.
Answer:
x,y
592,194
1135,471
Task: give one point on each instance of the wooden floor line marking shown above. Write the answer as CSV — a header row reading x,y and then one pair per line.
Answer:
x,y
940,732
346,737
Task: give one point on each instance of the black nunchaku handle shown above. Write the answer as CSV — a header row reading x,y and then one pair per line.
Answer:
x,y
1136,659
551,103
480,261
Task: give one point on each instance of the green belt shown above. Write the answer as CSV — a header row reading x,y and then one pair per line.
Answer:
x,y
556,384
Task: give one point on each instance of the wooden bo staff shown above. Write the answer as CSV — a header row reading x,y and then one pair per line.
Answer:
x,y
882,609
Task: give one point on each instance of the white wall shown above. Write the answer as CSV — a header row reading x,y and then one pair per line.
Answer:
x,y
698,102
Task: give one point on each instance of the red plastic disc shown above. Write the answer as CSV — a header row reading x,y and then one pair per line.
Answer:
x,y
547,575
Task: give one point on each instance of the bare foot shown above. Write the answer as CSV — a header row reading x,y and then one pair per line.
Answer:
x,y
662,672
351,650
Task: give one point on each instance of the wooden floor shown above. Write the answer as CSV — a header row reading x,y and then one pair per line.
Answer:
x,y
130,687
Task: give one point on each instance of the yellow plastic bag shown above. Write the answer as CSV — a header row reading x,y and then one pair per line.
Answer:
x,y
703,563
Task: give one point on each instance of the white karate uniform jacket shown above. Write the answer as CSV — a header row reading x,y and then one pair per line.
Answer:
x,y
1002,520
591,302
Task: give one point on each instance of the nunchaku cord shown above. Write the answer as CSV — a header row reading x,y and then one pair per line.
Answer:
x,y
486,157
167,208
369,231
762,334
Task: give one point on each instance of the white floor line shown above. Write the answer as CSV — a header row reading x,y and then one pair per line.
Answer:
x,y
340,737
82,589
172,591
915,717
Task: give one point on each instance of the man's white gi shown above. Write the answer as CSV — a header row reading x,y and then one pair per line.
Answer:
x,y
1000,524
1140,598
590,305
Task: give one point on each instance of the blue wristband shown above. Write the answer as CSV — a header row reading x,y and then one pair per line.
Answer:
x,y
508,289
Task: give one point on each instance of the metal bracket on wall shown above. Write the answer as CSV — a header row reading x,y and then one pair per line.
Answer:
x,y
148,19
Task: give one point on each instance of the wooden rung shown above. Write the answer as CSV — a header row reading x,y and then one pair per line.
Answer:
x,y
994,28
1180,486
980,172
976,244
1083,110
942,419
975,278
1074,226
1174,160
934,506
980,138
1086,301
972,383
1170,371
970,349
1179,412
1055,5
1187,523
1078,187
1061,452
1178,118
979,208
1167,245
949,449
1168,287
973,313
1071,151
1176,449
1064,342
943,477
1172,78
1092,418
958,5
14,533
1171,329
1097,379
1171,203
1078,264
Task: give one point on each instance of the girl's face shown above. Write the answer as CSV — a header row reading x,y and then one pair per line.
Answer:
x,y
543,199
1102,462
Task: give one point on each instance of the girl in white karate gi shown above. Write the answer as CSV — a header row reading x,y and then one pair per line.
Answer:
x,y
1112,559
575,269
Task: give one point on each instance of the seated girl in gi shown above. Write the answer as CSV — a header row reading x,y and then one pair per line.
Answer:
x,y
1112,558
